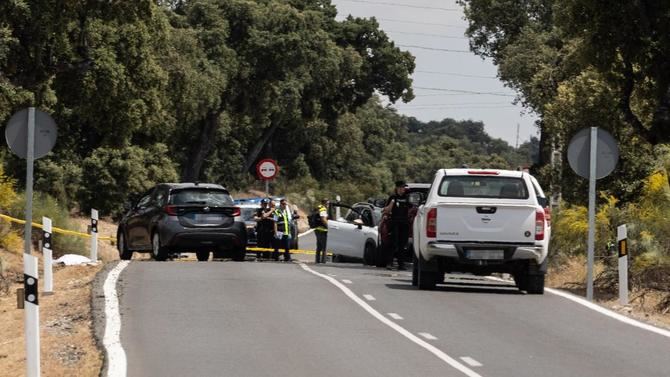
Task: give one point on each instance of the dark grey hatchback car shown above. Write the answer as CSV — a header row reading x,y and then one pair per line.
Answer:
x,y
183,217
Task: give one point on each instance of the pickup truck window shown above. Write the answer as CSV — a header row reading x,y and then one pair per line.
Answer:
x,y
469,186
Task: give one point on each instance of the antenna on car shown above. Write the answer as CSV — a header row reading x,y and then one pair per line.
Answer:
x,y
197,183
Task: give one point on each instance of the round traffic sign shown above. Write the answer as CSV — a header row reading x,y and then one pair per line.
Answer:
x,y
267,169
16,133
579,153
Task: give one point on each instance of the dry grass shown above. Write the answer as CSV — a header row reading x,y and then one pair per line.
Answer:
x,y
67,344
68,347
571,276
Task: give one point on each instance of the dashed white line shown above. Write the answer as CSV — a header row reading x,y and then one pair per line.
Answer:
x,y
395,316
470,361
369,297
346,281
116,356
427,336
401,330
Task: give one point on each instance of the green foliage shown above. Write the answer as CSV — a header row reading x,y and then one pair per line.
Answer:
x,y
115,174
47,206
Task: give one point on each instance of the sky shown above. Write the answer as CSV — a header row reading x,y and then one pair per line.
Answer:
x,y
423,27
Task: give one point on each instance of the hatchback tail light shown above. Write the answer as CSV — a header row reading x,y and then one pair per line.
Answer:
x,y
236,211
170,210
431,223
539,224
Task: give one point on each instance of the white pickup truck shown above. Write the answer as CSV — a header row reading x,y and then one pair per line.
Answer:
x,y
480,222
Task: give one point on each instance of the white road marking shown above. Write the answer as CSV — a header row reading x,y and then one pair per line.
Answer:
x,y
395,316
116,356
601,310
332,275
470,361
306,233
609,313
427,336
347,281
401,330
369,297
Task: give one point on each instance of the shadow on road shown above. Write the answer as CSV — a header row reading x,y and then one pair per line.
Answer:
x,y
469,287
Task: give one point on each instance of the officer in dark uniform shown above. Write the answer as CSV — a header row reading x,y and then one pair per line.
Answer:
x,y
397,207
264,228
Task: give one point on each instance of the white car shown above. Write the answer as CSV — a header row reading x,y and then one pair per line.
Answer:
x,y
483,221
353,234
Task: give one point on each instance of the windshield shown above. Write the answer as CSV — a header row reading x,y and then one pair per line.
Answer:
x,y
472,186
214,198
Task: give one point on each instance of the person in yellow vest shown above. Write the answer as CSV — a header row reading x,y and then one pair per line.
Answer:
x,y
321,232
283,218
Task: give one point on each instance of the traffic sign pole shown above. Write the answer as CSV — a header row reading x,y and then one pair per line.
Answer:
x,y
592,213
32,314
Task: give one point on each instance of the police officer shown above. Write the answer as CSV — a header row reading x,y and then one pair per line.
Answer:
x,y
282,228
397,208
321,232
264,228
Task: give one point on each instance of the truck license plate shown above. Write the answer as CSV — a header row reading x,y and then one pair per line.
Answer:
x,y
484,254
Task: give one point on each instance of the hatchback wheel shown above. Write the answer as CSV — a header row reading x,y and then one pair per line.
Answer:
x,y
124,253
158,252
202,255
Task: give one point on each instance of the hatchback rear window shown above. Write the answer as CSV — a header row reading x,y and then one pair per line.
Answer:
x,y
472,186
213,198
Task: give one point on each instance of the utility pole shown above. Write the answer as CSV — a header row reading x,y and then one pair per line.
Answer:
x,y
517,137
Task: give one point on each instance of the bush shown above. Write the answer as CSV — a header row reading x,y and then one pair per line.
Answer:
x,y
114,176
47,206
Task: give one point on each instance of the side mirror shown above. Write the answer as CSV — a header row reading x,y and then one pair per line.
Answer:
x,y
127,206
359,222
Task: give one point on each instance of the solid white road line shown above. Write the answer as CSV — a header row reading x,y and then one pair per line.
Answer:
x,y
427,336
369,297
116,356
609,313
346,281
404,332
601,310
395,316
470,361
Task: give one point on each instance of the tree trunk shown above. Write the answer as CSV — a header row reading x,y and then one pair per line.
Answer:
x,y
192,168
258,147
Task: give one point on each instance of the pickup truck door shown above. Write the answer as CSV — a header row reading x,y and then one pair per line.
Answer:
x,y
344,236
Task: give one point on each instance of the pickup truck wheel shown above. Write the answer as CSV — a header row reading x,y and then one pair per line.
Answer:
x,y
428,274
202,255
369,254
535,284
415,271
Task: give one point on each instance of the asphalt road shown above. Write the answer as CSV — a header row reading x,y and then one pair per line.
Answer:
x,y
279,319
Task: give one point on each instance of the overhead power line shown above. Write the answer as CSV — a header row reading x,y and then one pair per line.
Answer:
x,y
403,5
465,91
427,34
422,23
457,74
436,49
457,104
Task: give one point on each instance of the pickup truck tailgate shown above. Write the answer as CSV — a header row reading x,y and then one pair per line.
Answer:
x,y
486,223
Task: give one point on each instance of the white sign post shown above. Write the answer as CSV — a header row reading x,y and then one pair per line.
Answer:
x,y
94,235
32,317
48,255
622,240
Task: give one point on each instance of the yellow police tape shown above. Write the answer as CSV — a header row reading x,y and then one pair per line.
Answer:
x,y
292,251
55,229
